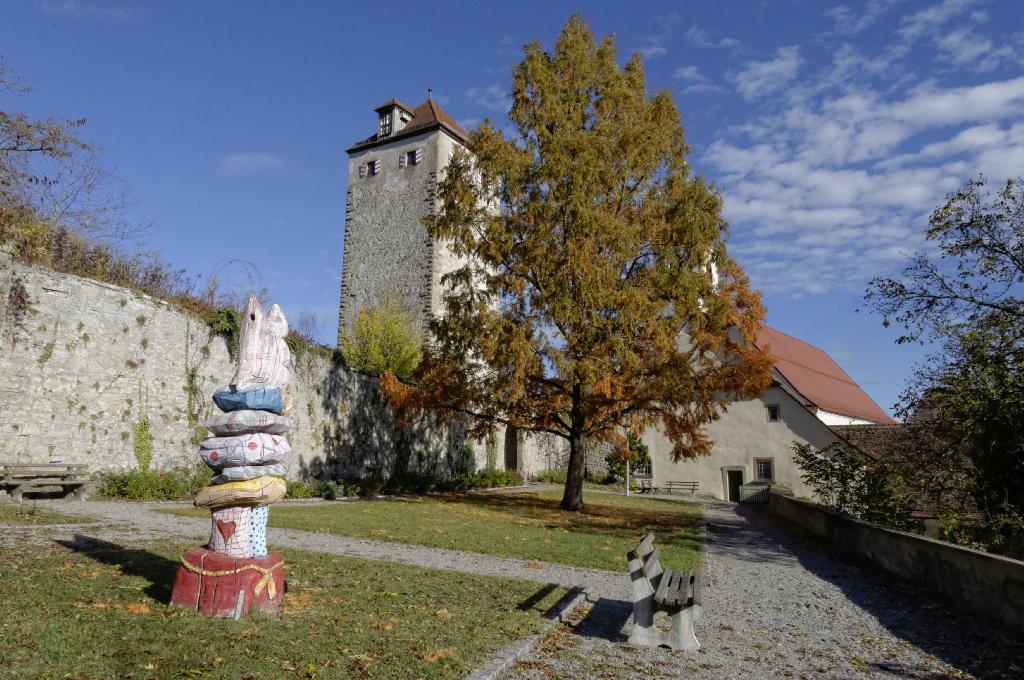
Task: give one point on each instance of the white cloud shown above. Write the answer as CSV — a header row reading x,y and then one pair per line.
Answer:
x,y
833,183
652,51
654,45
702,38
758,78
968,48
850,21
74,9
491,97
933,18
690,74
252,163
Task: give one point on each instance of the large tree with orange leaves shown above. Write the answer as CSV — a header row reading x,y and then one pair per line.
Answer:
x,y
587,299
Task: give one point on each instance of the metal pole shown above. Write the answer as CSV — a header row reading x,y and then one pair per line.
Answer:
x,y
627,476
629,454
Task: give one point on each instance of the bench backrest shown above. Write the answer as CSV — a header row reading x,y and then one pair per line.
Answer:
x,y
46,470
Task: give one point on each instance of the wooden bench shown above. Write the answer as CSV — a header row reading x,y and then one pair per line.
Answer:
x,y
647,486
677,593
682,486
20,479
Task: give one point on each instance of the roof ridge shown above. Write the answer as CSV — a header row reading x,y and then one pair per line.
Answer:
x,y
848,380
793,337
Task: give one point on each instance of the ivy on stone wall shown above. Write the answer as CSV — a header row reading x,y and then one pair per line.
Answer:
x,y
227,323
143,445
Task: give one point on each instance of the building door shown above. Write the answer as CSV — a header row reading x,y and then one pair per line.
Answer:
x,y
511,448
735,478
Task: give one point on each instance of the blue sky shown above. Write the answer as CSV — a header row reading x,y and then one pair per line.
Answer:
x,y
832,129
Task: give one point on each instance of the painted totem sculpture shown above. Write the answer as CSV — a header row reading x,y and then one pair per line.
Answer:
x,y
234,572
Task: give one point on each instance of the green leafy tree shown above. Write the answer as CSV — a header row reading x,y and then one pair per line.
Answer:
x,y
845,480
587,297
966,294
638,457
383,339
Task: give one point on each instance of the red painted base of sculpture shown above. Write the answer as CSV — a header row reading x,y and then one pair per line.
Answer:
x,y
220,585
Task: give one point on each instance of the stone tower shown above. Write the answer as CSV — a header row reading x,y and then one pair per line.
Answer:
x,y
392,178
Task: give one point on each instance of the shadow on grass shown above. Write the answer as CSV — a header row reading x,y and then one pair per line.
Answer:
x,y
609,519
604,619
156,569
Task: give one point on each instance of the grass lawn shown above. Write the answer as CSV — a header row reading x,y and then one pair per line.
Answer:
x,y
529,526
27,513
100,612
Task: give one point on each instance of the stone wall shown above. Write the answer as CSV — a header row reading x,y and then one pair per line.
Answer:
x,y
987,583
85,364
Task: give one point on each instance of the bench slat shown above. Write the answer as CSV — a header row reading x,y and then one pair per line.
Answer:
x,y
43,465
43,480
698,586
672,591
659,594
652,565
646,545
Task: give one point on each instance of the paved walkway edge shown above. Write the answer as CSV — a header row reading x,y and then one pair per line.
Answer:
x,y
505,657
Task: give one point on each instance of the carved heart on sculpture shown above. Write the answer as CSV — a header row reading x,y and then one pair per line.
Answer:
x,y
226,529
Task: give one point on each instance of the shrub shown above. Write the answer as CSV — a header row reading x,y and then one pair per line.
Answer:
x,y
637,458
845,480
485,479
551,476
169,485
304,488
383,339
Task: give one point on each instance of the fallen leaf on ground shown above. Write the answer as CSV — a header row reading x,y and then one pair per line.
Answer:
x,y
437,654
443,614
137,608
533,564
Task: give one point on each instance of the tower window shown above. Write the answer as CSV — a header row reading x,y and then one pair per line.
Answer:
x,y
774,414
372,167
384,128
410,158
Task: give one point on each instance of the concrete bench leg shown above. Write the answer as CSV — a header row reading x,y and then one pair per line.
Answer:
x,y
679,637
16,494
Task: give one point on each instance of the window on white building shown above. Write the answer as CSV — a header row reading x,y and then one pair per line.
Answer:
x,y
384,128
372,167
764,470
774,413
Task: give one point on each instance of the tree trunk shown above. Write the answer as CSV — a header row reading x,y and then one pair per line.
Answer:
x,y
572,498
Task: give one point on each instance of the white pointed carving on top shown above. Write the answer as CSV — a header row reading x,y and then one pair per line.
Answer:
x,y
263,356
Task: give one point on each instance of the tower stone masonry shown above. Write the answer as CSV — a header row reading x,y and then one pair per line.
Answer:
x,y
392,179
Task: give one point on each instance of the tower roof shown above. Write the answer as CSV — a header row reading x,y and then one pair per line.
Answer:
x,y
391,103
425,117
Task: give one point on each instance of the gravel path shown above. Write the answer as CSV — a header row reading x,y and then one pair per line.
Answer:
x,y
776,607
134,523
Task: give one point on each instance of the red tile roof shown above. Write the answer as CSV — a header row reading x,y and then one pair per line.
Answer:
x,y
426,116
429,113
817,377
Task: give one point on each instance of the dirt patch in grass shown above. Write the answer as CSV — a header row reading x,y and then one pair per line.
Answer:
x,y
98,610
31,514
529,526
